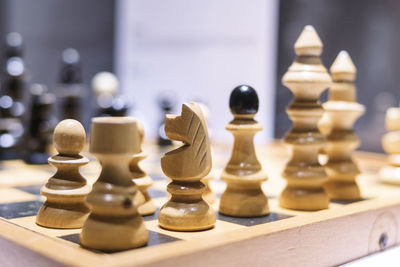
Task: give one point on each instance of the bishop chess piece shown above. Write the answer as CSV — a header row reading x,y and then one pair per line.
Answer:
x,y
108,102
186,166
141,179
391,144
70,89
114,223
40,125
243,174
307,78
342,111
66,190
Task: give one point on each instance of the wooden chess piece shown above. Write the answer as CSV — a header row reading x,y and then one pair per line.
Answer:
x,y
141,179
114,223
307,78
243,174
66,190
341,112
186,166
391,144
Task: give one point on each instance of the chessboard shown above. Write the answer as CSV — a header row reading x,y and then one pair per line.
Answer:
x,y
345,231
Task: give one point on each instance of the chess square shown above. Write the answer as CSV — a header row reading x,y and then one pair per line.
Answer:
x,y
19,209
10,195
154,193
273,216
33,189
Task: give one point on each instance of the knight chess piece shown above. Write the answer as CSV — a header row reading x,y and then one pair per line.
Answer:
x,y
114,223
307,78
243,174
141,179
186,166
66,190
391,144
342,111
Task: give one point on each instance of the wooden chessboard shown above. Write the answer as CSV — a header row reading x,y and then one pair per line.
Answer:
x,y
344,232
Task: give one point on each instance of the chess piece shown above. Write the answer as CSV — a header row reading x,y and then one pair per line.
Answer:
x,y
166,103
341,112
307,78
186,166
105,85
40,125
114,223
141,179
70,89
66,189
12,100
391,144
243,174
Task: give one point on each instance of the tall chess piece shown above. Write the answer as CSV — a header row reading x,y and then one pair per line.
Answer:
x,y
186,166
40,125
243,174
12,98
341,112
307,78
70,89
391,145
141,179
66,190
114,223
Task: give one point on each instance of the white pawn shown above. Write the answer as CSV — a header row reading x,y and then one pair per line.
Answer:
x,y
66,190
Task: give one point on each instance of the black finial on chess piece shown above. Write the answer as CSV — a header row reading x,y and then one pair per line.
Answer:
x,y
14,45
243,100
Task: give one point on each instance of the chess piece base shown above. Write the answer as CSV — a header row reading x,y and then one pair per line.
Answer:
x,y
307,199
343,190
390,175
114,234
147,208
178,216
59,216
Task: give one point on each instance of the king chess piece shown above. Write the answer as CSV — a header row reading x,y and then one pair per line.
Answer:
x,y
114,223
186,166
243,174
66,190
307,78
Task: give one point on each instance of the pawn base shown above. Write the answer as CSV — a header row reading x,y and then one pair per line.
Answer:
x,y
306,199
62,216
244,203
343,190
114,233
147,208
178,216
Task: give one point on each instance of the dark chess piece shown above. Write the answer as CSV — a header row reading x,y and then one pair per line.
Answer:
x,y
71,91
12,100
108,102
40,125
167,104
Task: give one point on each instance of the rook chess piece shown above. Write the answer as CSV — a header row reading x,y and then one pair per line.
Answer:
x,y
141,179
243,174
391,145
307,78
342,112
66,190
186,166
114,223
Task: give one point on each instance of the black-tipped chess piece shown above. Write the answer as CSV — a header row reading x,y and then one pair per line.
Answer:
x,y
71,91
244,100
166,104
12,98
40,125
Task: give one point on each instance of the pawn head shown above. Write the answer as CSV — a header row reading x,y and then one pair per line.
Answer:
x,y
243,100
69,137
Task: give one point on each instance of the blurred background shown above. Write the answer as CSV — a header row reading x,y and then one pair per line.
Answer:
x,y
165,53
